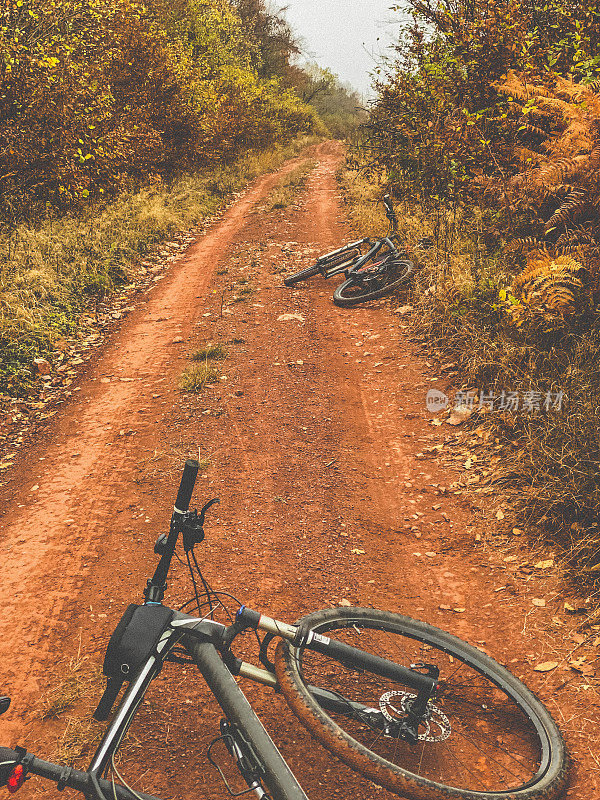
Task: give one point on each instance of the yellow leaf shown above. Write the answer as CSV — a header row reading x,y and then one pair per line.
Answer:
x,y
546,666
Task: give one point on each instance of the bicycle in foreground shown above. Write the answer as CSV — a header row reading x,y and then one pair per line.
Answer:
x,y
409,706
373,267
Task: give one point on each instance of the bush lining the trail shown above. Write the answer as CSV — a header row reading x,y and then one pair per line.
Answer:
x,y
99,97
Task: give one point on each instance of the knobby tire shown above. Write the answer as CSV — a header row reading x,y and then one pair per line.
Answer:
x,y
372,283
501,743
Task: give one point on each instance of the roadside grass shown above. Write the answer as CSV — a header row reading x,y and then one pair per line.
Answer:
x,y
53,274
79,687
284,194
549,467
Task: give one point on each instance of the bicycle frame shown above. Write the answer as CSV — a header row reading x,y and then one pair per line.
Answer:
x,y
202,638
374,245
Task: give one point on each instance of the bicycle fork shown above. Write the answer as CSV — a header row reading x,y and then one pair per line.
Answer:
x,y
422,678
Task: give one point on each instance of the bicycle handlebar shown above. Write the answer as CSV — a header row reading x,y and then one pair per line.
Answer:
x,y
65,776
186,487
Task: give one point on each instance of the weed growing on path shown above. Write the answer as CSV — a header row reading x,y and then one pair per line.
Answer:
x,y
218,352
289,186
194,378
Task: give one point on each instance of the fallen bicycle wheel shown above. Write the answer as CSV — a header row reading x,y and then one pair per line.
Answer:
x,y
485,736
373,282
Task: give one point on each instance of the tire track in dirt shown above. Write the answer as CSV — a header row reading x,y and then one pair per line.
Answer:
x,y
72,482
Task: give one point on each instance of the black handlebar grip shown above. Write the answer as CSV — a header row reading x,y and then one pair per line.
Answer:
x,y
186,487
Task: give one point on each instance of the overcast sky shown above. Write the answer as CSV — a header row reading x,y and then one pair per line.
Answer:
x,y
344,35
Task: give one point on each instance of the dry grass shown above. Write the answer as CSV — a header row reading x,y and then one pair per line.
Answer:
x,y
195,377
81,680
218,352
78,740
80,687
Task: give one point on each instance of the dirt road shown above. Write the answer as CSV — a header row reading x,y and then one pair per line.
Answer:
x,y
317,440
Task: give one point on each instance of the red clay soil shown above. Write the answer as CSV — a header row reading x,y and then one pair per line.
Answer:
x,y
318,442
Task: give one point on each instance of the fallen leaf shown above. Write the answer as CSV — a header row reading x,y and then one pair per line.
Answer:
x,y
445,608
546,666
459,415
545,564
468,463
459,610
289,317
539,602
42,365
574,609
500,514
346,603
357,551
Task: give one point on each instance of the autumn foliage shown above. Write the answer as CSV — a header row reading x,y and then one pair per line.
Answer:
x,y
99,94
488,117
500,107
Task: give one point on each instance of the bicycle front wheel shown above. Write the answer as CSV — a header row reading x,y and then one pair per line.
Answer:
x,y
485,736
373,282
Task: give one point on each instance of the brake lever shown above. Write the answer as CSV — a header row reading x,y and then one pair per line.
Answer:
x,y
192,525
205,508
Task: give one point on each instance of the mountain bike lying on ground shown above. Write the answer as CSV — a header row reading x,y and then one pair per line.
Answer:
x,y
409,706
373,267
